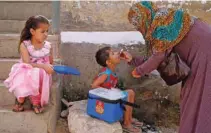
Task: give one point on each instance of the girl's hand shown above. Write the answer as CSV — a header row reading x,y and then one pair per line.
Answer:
x,y
48,68
135,74
124,55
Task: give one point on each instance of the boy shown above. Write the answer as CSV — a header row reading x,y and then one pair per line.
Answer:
x,y
107,78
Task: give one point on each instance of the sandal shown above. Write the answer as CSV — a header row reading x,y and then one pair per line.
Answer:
x,y
131,129
18,106
137,123
37,109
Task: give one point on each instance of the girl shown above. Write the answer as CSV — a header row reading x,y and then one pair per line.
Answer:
x,y
31,76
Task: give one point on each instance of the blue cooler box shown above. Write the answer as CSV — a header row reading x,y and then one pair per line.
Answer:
x,y
105,104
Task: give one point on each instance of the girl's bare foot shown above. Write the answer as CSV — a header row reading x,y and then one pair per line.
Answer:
x,y
18,107
37,109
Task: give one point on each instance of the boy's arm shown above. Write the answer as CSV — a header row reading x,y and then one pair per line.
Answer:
x,y
100,80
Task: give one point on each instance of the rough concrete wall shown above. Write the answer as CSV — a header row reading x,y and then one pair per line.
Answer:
x,y
112,15
201,9
95,16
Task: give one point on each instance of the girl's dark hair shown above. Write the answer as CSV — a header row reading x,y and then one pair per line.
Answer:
x,y
33,23
102,55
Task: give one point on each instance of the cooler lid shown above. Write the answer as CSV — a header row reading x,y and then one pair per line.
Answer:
x,y
110,94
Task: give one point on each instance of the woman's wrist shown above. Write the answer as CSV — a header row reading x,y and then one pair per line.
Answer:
x,y
130,59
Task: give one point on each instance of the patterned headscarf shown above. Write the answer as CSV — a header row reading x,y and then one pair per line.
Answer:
x,y
161,28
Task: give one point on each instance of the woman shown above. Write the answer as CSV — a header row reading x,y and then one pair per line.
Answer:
x,y
164,29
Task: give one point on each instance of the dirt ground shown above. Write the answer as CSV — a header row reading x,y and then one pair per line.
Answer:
x,y
62,127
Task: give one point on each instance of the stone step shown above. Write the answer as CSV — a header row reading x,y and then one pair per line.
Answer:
x,y
6,65
6,97
9,45
28,121
13,26
20,10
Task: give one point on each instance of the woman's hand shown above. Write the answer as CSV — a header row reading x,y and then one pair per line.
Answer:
x,y
48,68
135,74
124,55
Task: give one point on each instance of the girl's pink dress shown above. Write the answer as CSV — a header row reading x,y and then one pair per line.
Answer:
x,y
25,80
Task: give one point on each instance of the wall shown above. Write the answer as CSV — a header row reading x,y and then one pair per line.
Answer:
x,y
112,16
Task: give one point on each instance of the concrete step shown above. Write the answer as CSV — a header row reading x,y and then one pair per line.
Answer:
x,y
28,121
6,65
13,26
9,45
20,10
7,99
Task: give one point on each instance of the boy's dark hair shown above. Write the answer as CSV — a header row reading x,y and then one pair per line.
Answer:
x,y
102,56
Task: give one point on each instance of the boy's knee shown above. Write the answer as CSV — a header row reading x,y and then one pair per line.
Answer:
x,y
131,93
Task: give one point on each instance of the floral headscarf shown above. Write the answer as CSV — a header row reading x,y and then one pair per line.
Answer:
x,y
161,28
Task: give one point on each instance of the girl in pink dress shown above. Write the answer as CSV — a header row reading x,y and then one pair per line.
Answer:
x,y
31,77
